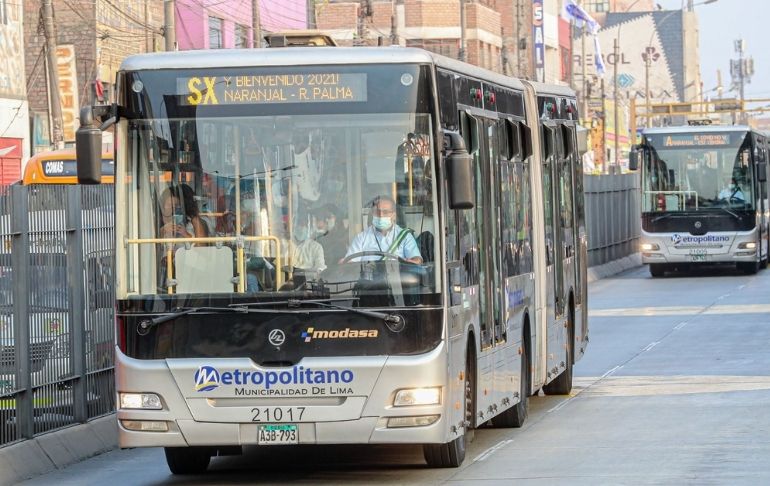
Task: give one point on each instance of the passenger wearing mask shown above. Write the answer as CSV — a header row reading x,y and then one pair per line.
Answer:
x,y
384,236
307,254
331,233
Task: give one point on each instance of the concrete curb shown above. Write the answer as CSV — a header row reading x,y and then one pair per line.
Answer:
x,y
614,267
61,448
56,450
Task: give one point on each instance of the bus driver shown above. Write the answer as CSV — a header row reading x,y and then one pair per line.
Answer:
x,y
383,236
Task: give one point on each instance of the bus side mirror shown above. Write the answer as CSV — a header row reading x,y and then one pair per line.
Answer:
x,y
548,140
526,141
459,172
88,149
762,172
633,157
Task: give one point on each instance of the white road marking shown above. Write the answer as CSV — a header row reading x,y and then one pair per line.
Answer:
x,y
650,346
681,310
484,455
680,325
609,372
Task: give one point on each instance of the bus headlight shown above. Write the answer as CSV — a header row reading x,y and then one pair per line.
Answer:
x,y
140,401
747,245
650,247
417,396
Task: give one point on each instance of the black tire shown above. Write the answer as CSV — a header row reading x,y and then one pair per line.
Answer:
x,y
749,268
657,270
517,415
452,454
562,384
188,460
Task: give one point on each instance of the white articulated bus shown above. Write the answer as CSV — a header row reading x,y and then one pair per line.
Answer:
x,y
704,197
335,245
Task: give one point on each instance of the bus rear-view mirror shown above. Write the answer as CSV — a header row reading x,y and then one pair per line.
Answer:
x,y
633,158
459,172
762,172
88,149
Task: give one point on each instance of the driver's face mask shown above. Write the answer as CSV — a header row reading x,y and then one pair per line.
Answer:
x,y
382,222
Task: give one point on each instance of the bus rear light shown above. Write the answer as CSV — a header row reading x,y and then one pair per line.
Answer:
x,y
417,396
145,425
419,421
140,401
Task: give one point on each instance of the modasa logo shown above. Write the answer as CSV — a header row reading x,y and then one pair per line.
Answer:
x,y
208,378
347,333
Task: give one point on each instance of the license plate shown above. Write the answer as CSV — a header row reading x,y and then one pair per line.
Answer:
x,y
283,434
698,255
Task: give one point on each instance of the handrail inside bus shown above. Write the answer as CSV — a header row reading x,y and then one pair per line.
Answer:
x,y
238,240
677,193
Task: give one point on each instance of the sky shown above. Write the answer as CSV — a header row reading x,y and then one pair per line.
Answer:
x,y
720,24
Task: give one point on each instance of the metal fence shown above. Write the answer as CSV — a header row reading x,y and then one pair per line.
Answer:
x,y
613,215
56,309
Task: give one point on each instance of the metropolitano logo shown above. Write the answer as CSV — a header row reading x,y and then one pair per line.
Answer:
x,y
206,379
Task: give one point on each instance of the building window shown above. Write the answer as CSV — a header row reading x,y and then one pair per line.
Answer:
x,y
241,36
215,33
597,5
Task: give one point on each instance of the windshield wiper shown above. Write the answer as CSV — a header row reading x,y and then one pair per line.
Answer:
x,y
662,216
733,214
394,321
145,325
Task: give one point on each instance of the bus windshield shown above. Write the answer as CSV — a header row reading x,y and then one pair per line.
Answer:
x,y
321,203
697,171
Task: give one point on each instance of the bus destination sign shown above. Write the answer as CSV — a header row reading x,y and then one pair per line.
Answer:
x,y
696,140
247,89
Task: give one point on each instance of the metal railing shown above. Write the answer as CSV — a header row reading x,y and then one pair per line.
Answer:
x,y
56,307
613,216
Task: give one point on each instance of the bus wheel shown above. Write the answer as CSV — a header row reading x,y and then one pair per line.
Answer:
x,y
516,415
188,460
657,269
562,384
452,454
749,268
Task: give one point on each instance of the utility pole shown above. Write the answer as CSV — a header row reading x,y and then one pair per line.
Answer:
x,y
393,23
311,24
741,71
518,39
256,26
584,70
462,31
604,126
616,95
53,86
169,31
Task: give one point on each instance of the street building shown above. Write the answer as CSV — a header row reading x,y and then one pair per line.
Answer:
x,y
14,129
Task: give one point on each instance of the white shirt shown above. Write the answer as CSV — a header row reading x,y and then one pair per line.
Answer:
x,y
731,193
309,255
372,240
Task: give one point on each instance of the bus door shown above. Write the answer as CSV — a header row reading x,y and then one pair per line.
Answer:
x,y
761,189
483,149
554,238
565,194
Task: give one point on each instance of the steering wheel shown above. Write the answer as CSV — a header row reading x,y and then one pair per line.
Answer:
x,y
386,255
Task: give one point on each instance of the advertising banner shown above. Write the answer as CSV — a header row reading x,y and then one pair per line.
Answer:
x,y
68,90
